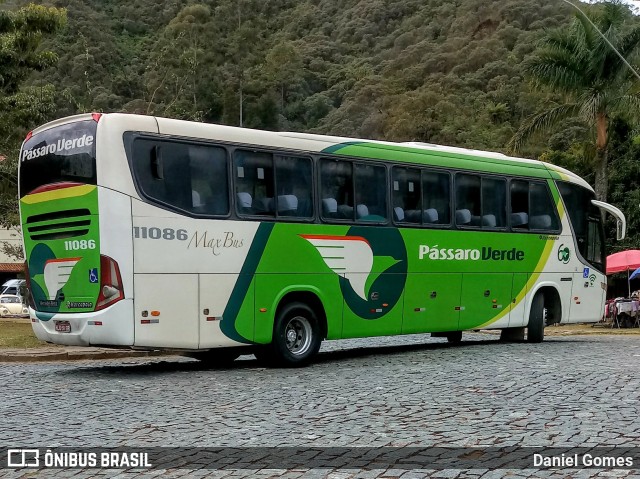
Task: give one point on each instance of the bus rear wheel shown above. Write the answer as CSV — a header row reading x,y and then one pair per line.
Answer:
x,y
296,337
535,328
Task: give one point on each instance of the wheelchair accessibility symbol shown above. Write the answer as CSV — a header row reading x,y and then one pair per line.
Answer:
x,y
93,275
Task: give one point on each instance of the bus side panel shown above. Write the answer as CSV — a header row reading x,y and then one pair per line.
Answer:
x,y
430,302
356,324
166,310
116,234
215,291
519,303
485,295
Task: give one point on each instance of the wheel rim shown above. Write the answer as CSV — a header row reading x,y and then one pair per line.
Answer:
x,y
297,335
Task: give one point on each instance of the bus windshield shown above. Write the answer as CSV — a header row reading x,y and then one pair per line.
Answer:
x,y
586,220
61,154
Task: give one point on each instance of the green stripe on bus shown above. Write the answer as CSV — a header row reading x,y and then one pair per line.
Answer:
x,y
229,317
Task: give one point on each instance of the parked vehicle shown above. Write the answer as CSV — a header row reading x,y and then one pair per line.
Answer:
x,y
13,286
11,305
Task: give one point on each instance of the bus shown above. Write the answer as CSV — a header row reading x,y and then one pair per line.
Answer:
x,y
154,233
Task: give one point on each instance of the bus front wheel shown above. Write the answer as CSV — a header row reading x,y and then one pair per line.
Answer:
x,y
296,336
535,329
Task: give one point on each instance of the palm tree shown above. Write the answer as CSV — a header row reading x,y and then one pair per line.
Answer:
x,y
594,82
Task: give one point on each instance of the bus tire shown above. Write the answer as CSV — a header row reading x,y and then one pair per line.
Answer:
x,y
296,337
454,337
221,357
535,329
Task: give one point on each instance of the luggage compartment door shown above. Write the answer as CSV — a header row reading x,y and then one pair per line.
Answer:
x,y
166,310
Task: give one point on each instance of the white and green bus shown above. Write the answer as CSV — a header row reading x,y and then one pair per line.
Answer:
x,y
150,233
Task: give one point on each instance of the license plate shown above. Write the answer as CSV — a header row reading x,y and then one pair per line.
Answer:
x,y
63,326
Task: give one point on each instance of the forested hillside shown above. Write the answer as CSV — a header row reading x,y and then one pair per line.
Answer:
x,y
436,70
440,71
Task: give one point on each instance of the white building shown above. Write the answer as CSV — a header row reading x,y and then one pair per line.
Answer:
x,y
10,267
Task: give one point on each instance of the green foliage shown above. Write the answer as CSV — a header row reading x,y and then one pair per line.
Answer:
x,y
401,70
594,83
21,33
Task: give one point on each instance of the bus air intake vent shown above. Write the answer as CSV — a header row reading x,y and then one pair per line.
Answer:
x,y
59,224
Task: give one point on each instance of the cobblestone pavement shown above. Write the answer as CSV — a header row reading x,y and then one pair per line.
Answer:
x,y
400,391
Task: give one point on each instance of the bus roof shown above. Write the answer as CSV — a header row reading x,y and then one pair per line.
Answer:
x,y
320,143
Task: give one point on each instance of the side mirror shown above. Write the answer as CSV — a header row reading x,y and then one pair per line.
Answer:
x,y
621,226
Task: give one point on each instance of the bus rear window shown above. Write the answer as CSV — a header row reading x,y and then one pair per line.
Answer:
x,y
64,153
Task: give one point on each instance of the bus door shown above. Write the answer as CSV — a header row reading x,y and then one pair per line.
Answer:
x,y
431,302
484,297
587,296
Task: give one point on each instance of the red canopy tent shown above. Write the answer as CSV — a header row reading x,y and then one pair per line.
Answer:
x,y
624,261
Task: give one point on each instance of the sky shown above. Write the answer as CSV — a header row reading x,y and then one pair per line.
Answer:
x,y
635,4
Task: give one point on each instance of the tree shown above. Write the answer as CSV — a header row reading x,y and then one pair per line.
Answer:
x,y
21,33
594,82
176,78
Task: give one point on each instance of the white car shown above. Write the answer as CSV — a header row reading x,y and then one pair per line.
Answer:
x,y
11,305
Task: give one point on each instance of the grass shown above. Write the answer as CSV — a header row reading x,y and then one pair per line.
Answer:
x,y
17,334
590,328
14,334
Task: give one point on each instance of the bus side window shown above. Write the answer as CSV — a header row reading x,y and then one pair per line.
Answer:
x,y
437,198
172,187
494,203
371,193
406,194
542,214
336,189
468,212
519,216
294,183
254,180
209,186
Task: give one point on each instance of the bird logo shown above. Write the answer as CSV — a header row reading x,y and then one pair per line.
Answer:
x,y
368,267
56,274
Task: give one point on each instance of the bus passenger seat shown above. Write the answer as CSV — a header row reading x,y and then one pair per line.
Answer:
x,y
430,215
489,221
463,217
196,202
540,222
398,213
244,202
362,211
329,207
345,212
263,205
287,205
519,219
412,216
